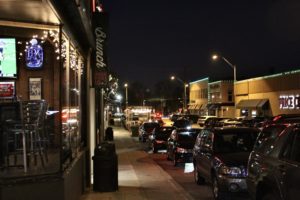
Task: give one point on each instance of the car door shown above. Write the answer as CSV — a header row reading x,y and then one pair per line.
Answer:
x,y
171,143
288,171
205,155
196,150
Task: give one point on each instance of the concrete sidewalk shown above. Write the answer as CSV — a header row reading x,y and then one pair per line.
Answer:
x,y
139,176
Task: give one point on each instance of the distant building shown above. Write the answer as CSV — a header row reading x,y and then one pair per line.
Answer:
x,y
198,97
221,98
268,95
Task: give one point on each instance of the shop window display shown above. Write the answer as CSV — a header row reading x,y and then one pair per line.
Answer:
x,y
40,54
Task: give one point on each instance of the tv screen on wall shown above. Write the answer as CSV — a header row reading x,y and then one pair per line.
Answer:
x,y
8,61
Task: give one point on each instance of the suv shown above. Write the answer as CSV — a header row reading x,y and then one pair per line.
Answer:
x,y
220,156
146,129
274,163
180,144
201,120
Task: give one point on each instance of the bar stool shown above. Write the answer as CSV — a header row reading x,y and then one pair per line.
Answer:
x,y
29,136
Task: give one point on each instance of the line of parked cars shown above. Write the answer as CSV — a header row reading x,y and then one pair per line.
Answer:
x,y
261,157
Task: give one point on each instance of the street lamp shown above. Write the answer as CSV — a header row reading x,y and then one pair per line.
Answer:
x,y
215,57
185,85
126,94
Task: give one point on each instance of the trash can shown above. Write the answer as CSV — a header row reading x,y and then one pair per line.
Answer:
x,y
105,168
109,134
134,131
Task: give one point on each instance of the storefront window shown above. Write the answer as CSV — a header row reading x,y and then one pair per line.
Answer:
x,y
40,86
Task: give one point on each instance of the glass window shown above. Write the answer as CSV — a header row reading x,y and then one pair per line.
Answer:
x,y
231,142
36,113
267,137
295,146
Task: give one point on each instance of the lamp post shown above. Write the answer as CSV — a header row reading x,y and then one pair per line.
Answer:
x,y
184,90
126,95
215,57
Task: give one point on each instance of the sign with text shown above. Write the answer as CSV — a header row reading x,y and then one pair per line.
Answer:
x,y
289,102
99,61
7,89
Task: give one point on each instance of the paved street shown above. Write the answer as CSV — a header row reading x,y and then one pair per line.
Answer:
x,y
139,176
144,175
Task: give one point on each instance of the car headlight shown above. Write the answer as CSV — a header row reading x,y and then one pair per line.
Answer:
x,y
232,171
181,150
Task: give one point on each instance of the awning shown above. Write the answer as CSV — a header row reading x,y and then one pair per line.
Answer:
x,y
191,107
198,106
252,103
211,106
194,106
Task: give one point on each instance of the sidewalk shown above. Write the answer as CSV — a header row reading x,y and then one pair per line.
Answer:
x,y
139,176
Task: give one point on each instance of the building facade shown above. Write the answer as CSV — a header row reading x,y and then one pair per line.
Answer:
x,y
198,97
45,60
221,98
268,95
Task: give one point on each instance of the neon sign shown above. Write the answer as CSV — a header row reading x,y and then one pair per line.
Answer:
x,y
34,55
289,102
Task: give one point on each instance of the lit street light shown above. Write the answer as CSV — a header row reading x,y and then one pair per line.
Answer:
x,y
184,90
126,94
215,57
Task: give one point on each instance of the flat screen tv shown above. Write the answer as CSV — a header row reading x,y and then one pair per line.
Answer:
x,y
7,89
8,61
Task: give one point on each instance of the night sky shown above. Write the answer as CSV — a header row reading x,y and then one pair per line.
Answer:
x,y
150,40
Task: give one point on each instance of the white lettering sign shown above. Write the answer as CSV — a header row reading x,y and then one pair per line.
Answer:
x,y
289,102
100,38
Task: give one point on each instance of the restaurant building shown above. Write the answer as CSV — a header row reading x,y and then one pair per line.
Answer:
x,y
211,98
46,107
268,95
221,98
198,97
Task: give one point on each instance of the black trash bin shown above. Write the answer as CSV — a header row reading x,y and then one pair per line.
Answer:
x,y
109,134
105,168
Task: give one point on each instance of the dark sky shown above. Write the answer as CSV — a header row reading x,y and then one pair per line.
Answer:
x,y
150,40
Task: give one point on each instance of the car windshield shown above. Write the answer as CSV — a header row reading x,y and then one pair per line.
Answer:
x,y
267,136
150,125
187,136
163,133
235,141
182,123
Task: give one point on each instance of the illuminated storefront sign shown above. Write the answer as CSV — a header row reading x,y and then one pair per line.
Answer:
x,y
34,55
289,102
99,64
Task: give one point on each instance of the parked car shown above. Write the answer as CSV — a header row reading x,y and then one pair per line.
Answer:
x,y
182,123
146,129
201,120
180,144
192,118
158,139
274,163
174,117
214,121
220,156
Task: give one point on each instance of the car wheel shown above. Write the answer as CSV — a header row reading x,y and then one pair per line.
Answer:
x,y
270,196
154,149
168,155
218,195
198,179
175,162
